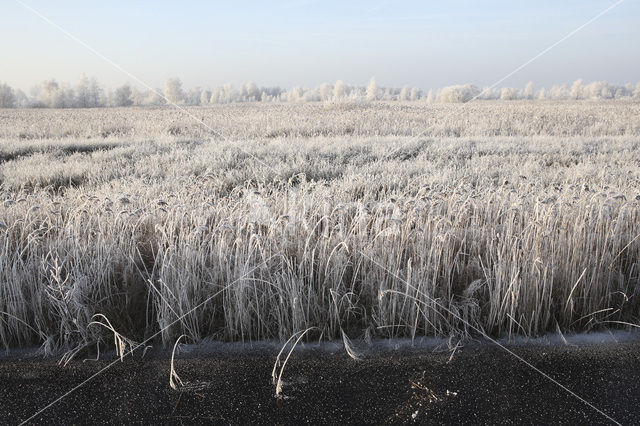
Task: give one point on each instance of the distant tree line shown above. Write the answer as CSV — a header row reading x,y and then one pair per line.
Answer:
x,y
88,93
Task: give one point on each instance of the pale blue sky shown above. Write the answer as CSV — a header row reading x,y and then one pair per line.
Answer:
x,y
305,42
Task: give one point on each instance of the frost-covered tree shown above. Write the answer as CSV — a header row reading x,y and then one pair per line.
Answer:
x,y
509,94
431,97
82,93
325,90
49,94
404,93
599,90
54,95
621,92
577,90
542,94
628,88
251,92
205,97
272,93
529,91
559,92
607,91
230,93
372,90
217,94
490,93
296,94
173,90
592,90
460,93
339,90
22,101
122,96
7,96
153,97
388,94
243,93
137,97
223,94
96,94
192,96
88,93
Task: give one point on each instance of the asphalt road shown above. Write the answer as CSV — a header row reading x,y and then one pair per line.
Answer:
x,y
481,384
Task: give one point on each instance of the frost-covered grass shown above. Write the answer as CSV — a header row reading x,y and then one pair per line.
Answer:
x,y
240,121
519,218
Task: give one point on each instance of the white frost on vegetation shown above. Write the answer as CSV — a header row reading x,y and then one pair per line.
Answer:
x,y
518,226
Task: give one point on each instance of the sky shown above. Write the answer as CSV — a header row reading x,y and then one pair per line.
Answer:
x,y
426,44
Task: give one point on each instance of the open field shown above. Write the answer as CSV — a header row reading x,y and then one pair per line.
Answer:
x,y
376,220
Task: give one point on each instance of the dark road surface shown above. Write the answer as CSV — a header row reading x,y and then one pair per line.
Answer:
x,y
482,384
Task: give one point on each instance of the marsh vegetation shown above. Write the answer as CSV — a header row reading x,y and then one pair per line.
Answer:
x,y
376,219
